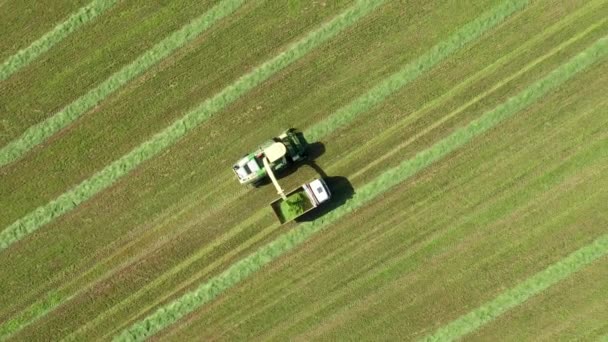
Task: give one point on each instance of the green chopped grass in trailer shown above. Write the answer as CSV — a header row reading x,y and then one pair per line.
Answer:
x,y
297,203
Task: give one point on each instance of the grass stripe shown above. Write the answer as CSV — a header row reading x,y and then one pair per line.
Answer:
x,y
111,173
45,129
172,312
30,315
522,292
44,43
470,31
411,71
481,24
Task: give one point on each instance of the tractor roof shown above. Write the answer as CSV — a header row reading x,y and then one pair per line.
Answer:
x,y
275,152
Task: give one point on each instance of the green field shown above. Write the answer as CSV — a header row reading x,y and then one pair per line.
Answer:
x,y
465,144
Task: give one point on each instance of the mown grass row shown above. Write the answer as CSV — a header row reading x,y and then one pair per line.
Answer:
x,y
29,315
44,43
43,130
365,238
411,71
242,269
111,173
522,292
473,30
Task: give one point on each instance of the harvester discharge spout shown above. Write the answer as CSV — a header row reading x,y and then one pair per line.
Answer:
x,y
272,153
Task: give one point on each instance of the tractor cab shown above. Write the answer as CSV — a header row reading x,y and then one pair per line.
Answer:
x,y
281,151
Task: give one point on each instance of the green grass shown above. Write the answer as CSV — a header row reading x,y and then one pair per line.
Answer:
x,y
295,205
40,132
178,129
399,263
335,274
240,270
522,292
573,307
23,22
25,56
121,303
411,71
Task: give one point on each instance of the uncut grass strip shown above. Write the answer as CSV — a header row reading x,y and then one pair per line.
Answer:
x,y
171,313
165,277
62,295
107,176
477,98
38,133
364,239
522,292
330,306
485,22
338,261
285,285
302,309
411,71
31,314
44,43
71,290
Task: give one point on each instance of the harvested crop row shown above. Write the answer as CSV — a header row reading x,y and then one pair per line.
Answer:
x,y
31,314
43,130
411,71
474,29
206,292
180,128
44,43
522,292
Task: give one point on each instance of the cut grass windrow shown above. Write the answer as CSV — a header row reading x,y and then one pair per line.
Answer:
x,y
522,292
111,173
174,311
31,314
45,129
466,34
44,43
411,71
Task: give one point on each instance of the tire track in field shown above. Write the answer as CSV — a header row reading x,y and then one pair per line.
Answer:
x,y
391,260
23,57
476,99
266,231
248,244
111,173
522,292
38,133
169,314
368,237
198,256
411,71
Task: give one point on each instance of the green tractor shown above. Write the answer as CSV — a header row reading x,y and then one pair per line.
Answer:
x,y
287,148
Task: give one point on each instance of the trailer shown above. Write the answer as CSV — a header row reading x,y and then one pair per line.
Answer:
x,y
300,200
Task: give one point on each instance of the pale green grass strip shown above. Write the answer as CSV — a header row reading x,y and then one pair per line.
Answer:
x,y
522,292
30,315
44,43
457,40
411,71
45,129
186,304
483,23
110,174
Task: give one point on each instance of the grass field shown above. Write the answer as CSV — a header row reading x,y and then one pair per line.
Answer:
x,y
465,144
